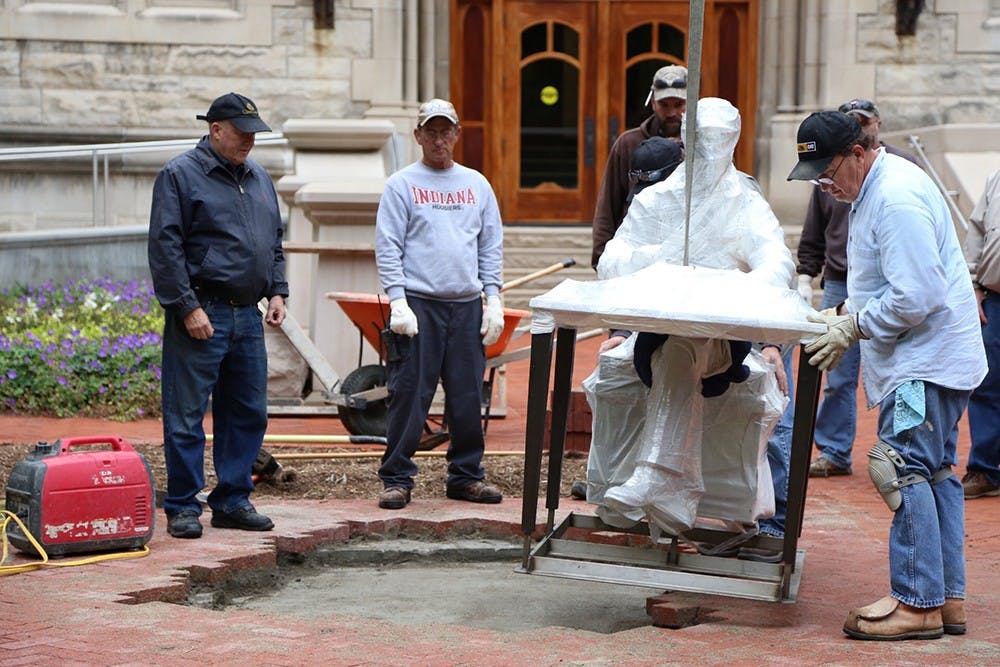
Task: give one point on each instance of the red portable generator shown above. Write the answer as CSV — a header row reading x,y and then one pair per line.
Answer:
x,y
93,499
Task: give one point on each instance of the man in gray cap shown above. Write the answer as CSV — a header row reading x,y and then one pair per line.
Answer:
x,y
439,251
668,95
912,307
215,251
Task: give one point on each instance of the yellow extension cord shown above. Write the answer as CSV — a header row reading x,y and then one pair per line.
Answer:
x,y
8,516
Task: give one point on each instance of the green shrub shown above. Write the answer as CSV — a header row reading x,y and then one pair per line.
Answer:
x,y
83,348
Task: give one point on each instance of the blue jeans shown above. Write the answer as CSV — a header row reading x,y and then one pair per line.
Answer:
x,y
449,347
984,404
231,367
926,540
837,416
779,453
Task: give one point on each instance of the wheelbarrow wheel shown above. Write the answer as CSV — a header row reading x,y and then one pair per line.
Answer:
x,y
370,420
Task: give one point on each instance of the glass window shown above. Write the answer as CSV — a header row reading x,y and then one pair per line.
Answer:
x,y
550,97
565,40
533,39
639,41
671,41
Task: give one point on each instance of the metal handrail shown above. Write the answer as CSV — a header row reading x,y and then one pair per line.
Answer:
x,y
95,151
918,148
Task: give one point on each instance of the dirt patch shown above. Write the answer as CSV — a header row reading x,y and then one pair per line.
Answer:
x,y
340,478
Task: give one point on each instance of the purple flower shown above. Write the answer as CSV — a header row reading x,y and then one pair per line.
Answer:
x,y
12,374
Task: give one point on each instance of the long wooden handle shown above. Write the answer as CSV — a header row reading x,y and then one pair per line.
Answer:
x,y
558,266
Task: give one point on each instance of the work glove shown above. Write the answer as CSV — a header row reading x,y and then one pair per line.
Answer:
x,y
492,320
806,288
402,319
842,332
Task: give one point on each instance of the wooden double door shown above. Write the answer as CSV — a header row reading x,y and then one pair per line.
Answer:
x,y
544,88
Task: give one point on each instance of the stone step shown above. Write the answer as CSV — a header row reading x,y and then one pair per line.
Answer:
x,y
531,248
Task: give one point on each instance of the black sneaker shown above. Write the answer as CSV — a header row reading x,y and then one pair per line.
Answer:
x,y
185,525
244,518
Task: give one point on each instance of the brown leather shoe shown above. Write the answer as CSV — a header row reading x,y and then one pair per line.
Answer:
x,y
890,620
821,467
976,485
394,498
477,492
953,616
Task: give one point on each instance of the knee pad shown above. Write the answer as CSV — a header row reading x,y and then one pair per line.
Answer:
x,y
884,466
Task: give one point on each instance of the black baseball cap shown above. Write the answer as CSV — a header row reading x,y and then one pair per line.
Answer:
x,y
822,135
652,161
237,109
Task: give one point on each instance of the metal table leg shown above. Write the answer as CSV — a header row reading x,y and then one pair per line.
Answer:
x,y
534,436
807,387
562,385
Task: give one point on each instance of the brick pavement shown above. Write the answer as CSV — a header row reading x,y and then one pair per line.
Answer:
x,y
124,612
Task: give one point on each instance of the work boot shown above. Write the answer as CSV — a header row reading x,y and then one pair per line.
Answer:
x,y
244,518
394,498
891,620
477,492
185,525
977,485
821,467
953,616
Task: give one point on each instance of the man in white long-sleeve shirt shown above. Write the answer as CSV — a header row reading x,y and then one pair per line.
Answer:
x,y
439,247
911,305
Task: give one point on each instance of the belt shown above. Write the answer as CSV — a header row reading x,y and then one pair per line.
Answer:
x,y
207,294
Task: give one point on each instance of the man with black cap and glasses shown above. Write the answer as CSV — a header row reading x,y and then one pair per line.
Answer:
x,y
823,247
668,95
214,251
912,307
651,162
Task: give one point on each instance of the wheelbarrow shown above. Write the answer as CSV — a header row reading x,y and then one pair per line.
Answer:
x,y
361,396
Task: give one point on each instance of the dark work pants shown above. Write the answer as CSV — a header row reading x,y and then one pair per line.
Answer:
x,y
448,347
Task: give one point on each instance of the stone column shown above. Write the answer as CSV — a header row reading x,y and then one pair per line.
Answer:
x,y
333,194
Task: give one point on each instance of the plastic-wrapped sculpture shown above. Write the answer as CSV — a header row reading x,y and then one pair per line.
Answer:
x,y
646,455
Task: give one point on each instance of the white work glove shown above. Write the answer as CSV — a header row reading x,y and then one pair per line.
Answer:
x,y
806,288
842,332
402,319
492,320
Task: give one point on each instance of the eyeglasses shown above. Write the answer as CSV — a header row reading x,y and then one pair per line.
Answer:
x,y
828,180
679,82
434,135
858,105
651,175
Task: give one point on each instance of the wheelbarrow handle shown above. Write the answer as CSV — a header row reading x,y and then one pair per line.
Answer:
x,y
558,266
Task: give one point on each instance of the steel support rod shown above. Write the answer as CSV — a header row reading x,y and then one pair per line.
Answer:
x,y
534,432
561,386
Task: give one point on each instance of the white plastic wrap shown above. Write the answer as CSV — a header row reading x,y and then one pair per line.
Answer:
x,y
731,226
680,300
649,450
733,453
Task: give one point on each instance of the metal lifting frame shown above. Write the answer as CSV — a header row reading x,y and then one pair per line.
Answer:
x,y
564,553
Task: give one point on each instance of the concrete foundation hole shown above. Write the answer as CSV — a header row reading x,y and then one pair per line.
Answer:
x,y
467,582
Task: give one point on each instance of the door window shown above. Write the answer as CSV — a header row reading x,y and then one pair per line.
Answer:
x,y
550,104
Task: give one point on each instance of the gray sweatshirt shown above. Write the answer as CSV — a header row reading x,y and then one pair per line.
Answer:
x,y
438,234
